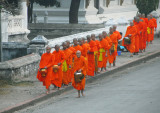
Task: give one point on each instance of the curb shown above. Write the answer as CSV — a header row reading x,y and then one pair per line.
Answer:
x,y
52,94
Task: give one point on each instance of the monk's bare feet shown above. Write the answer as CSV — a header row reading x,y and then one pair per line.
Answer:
x,y
99,70
131,55
78,96
114,64
83,95
47,92
104,70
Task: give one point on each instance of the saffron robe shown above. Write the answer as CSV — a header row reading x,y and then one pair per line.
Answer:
x,y
57,76
46,61
80,63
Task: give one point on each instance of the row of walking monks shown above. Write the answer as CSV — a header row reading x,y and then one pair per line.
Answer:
x,y
90,56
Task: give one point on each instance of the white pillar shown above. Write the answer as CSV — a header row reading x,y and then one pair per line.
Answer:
x,y
91,10
113,3
102,6
24,13
127,2
4,23
82,5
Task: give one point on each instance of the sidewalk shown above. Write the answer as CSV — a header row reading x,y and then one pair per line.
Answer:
x,y
18,94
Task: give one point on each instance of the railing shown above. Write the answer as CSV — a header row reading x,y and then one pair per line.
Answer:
x,y
16,25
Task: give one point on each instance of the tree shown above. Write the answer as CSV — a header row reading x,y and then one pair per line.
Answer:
x,y
147,6
73,12
11,7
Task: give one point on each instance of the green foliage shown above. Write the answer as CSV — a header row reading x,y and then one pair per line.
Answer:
x,y
48,3
147,6
10,6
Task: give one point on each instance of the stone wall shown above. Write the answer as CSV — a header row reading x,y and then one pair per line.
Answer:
x,y
13,50
20,69
51,31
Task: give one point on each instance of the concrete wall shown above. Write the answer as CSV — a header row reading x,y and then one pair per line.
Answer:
x,y
51,31
13,50
20,69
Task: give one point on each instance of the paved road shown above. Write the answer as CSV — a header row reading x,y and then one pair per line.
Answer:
x,y
136,90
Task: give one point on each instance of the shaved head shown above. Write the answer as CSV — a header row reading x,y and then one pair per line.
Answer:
x,y
57,47
78,53
48,49
131,23
64,44
114,27
93,37
111,30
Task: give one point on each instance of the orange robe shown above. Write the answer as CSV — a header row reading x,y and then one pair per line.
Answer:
x,y
144,35
155,26
146,20
138,38
46,61
112,57
73,51
65,67
91,59
102,53
131,30
77,48
59,58
151,30
135,23
98,46
108,50
85,49
141,38
80,63
118,35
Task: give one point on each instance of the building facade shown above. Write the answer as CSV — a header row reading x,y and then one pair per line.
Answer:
x,y
90,11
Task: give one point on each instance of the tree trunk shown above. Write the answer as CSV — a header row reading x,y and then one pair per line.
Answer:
x,y
30,11
73,13
1,55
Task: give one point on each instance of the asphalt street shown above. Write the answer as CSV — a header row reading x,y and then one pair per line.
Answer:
x,y
135,90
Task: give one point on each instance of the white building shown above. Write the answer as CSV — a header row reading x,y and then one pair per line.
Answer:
x,y
14,28
96,12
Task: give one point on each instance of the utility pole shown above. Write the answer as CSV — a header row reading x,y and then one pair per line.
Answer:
x,y
0,36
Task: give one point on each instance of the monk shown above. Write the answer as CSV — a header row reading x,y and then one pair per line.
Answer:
x,y
155,27
84,52
46,62
134,21
76,46
144,35
106,37
138,38
150,29
85,42
145,19
131,33
59,59
84,48
112,57
93,37
116,32
102,53
91,60
71,48
66,65
80,66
